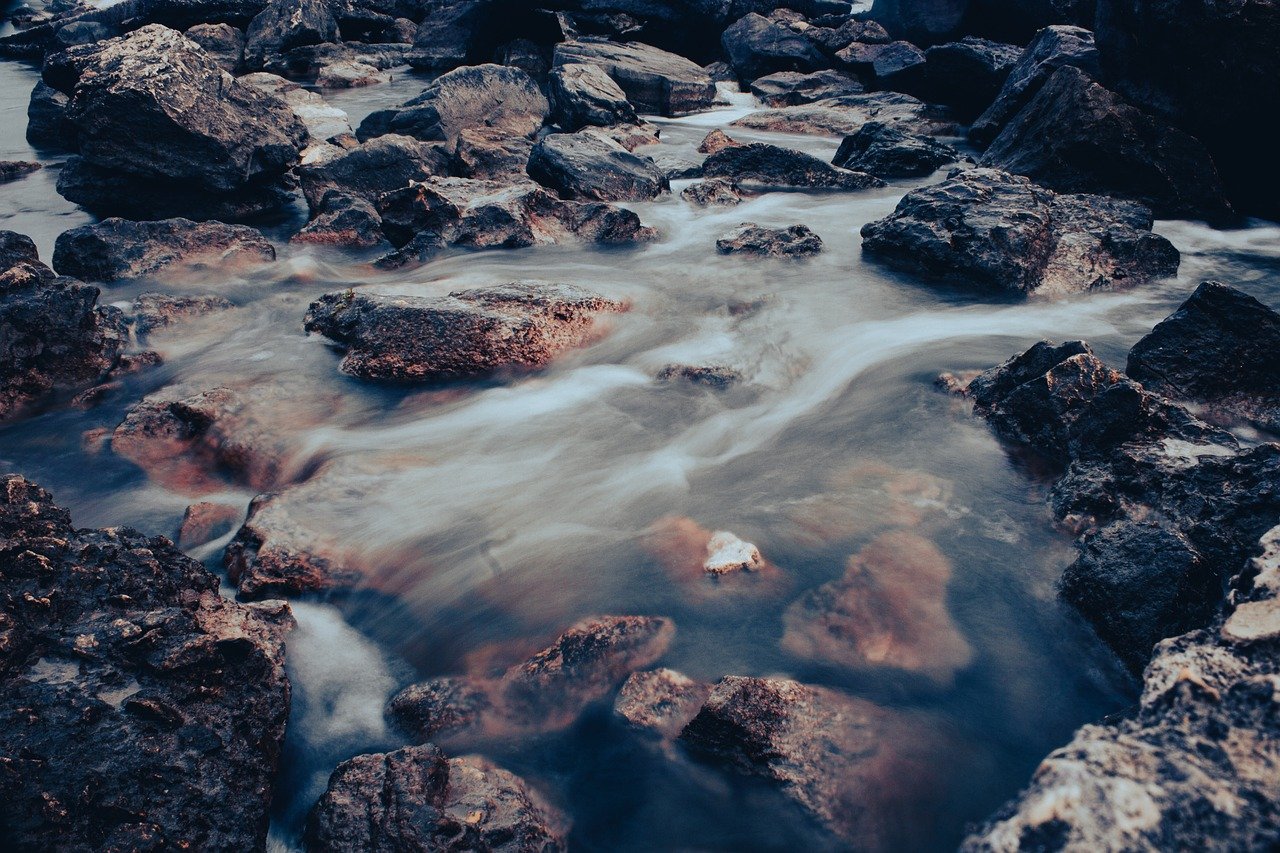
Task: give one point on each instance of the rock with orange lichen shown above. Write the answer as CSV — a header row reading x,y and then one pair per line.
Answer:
x,y
889,609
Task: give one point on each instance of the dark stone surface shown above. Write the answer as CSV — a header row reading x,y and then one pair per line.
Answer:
x,y
771,165
751,239
587,165
885,151
120,249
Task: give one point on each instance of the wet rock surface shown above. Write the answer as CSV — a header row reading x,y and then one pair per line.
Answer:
x,y
12,170
162,705
590,166
791,88
967,75
714,192
756,46
660,701
153,311
655,81
771,165
584,95
844,115
380,165
120,249
751,239
1002,232
887,152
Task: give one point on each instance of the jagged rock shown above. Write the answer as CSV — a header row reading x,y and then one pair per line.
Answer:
x,y
350,75
47,122
285,24
11,170
896,65
655,81
162,705
832,39
714,192
17,249
549,691
756,46
586,165
153,311
491,156
155,113
887,152
749,238
520,326
967,75
378,166
417,799
343,220
660,701
844,115
1221,348
772,165
1076,136
480,96
1001,232
790,88
889,609
716,140
120,249
1051,49
223,42
582,95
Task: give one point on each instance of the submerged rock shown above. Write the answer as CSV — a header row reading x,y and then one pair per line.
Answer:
x,y
660,701
587,165
791,88
655,81
162,705
749,238
205,521
772,165
519,326
714,192
584,95
417,799
844,115
153,311
11,170
120,249
1001,232
887,152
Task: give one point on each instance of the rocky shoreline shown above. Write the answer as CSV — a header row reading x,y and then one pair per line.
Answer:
x,y
145,707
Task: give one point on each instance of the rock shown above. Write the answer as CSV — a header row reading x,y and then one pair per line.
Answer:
x,y
999,232
716,140
771,165
711,375
727,553
1192,767
889,609
749,238
857,768
1221,348
896,65
887,152
588,166
710,565
582,95
832,39
756,46
350,75
377,166
107,192
52,338
656,82
120,249
204,522
417,799
519,326
1008,20
547,692
162,704
449,36
223,42
924,23
343,220
790,88
844,115
1051,49
310,60
480,96
1209,70
489,156
1076,136
83,32
322,121
11,170
153,311
660,701
208,138
967,75
285,24
715,192
47,122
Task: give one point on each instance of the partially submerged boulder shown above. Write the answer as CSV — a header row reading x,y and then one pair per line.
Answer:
x,y
844,115
582,95
713,192
120,249
1001,232
153,310
656,82
12,170
772,165
377,166
590,166
660,701
749,238
887,152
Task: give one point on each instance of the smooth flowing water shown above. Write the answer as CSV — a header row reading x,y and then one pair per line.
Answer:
x,y
500,513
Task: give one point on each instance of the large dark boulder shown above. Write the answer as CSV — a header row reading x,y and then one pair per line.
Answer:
x,y
286,24
930,22
772,165
790,88
380,165
1001,232
140,709
119,249
757,46
897,65
748,238
47,122
885,151
591,166
1077,136
1221,348
1210,69
967,75
584,95
656,82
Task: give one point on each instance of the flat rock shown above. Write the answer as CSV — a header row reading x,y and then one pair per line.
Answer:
x,y
350,75
589,166
656,82
751,239
582,95
791,88
1001,232
772,165
887,152
844,115
121,249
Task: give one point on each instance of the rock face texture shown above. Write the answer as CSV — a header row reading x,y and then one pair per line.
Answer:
x,y
751,239
885,151
772,165
1001,232
162,706
656,82
1076,136
519,326
591,166
118,249
1220,349
164,131
584,95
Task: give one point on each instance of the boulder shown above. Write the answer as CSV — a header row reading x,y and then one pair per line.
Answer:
x,y
885,151
656,82
934,21
120,249
480,96
790,88
417,799
285,24
341,219
586,165
771,165
153,311
223,42
1000,232
450,35
716,140
515,327
12,170
833,37
350,75
322,120
967,75
162,704
921,22
843,116
1076,136
582,95
714,192
897,65
377,166
756,46
1220,349
47,122
751,239
1051,49
491,156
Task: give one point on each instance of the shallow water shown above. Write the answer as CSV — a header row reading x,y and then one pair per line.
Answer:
x,y
502,512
